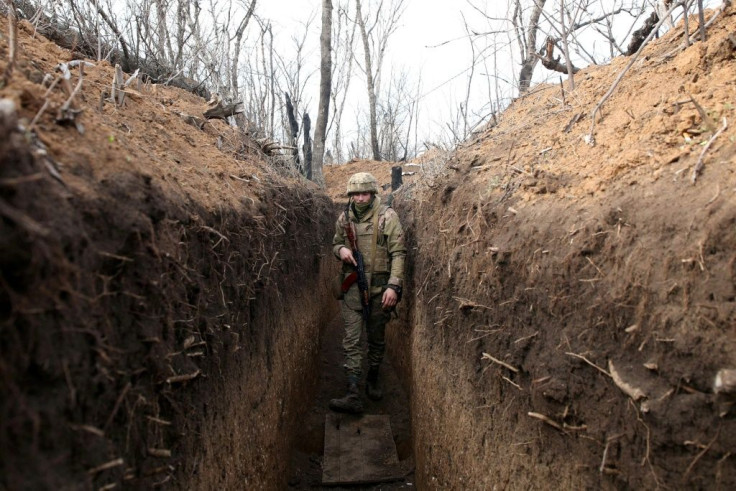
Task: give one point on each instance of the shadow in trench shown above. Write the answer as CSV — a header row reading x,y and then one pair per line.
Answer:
x,y
305,469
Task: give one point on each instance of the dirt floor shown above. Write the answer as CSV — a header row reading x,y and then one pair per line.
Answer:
x,y
566,310
306,458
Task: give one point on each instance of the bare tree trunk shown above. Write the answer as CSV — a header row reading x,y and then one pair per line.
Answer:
x,y
342,77
369,81
325,85
293,126
307,148
238,37
530,55
566,46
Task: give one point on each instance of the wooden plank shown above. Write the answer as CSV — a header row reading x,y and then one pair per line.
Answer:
x,y
359,450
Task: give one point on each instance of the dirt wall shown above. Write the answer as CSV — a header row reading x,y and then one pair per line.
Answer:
x,y
572,304
147,338
623,284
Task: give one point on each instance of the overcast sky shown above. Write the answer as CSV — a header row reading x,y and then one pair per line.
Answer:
x,y
430,44
424,25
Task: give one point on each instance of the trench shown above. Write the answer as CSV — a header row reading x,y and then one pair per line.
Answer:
x,y
148,340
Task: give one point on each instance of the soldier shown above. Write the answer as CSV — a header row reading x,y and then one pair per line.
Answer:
x,y
380,240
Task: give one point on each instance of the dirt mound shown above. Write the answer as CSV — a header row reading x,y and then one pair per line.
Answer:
x,y
155,326
336,176
573,304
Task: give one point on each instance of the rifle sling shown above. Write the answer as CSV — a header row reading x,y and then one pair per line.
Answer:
x,y
373,245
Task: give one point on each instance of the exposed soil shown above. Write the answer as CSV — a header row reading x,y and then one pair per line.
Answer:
x,y
306,458
572,304
166,319
155,326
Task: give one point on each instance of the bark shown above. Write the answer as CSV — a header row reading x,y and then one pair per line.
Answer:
x,y
396,179
223,112
530,57
637,39
238,38
293,126
307,148
370,84
566,47
551,63
325,86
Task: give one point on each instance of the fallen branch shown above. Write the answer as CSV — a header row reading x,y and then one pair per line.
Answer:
x,y
223,112
23,220
700,163
707,120
67,113
699,456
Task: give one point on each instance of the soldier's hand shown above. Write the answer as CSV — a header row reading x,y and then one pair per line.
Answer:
x,y
346,256
390,298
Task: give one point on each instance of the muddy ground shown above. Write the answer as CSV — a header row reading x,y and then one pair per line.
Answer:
x,y
166,319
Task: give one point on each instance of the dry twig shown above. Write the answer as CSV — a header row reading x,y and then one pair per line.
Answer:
x,y
106,465
546,419
590,137
581,357
700,163
487,356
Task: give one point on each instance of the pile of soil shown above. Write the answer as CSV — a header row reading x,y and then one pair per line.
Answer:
x,y
573,303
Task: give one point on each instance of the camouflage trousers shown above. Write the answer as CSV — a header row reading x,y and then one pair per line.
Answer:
x,y
375,331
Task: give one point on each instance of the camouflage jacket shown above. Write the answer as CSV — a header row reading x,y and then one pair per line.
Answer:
x,y
390,246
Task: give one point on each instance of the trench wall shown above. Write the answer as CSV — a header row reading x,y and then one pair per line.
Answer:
x,y
561,293
148,339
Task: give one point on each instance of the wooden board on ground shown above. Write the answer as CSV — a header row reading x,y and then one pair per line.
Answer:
x,y
359,450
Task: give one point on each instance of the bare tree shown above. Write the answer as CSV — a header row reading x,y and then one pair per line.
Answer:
x,y
375,36
370,83
325,85
236,54
342,74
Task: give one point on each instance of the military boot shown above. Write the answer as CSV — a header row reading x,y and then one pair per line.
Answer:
x,y
351,403
371,385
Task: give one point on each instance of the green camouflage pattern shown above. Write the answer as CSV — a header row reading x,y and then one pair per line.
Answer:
x,y
388,268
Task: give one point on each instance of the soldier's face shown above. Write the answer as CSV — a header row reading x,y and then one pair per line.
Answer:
x,y
362,198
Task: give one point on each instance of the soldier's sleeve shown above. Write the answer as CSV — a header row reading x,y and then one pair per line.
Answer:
x,y
339,240
396,247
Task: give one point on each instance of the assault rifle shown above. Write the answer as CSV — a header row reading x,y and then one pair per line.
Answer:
x,y
359,273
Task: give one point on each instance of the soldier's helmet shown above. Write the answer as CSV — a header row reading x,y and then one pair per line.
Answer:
x,y
362,182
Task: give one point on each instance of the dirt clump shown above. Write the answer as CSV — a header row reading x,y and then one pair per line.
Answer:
x,y
573,304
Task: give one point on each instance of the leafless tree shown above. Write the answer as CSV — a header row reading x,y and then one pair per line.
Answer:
x,y
325,85
342,75
375,29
